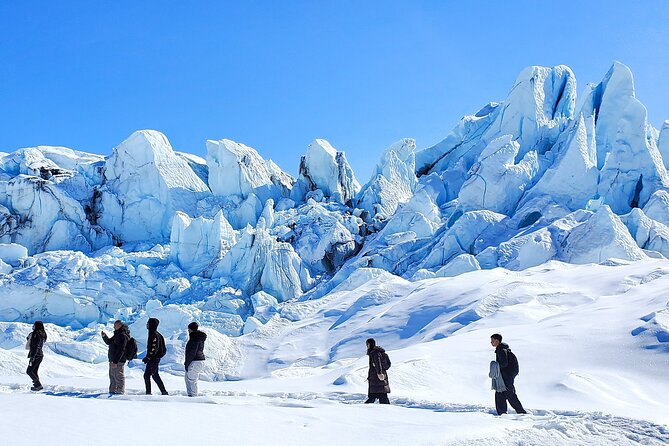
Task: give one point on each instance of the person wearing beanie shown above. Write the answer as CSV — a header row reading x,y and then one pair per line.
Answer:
x,y
155,350
377,375
194,361
116,354
35,343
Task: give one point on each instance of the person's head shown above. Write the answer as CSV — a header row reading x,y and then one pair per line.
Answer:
x,y
496,339
118,324
193,326
38,325
152,324
371,343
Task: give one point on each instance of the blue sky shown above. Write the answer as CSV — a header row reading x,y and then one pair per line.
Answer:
x,y
277,74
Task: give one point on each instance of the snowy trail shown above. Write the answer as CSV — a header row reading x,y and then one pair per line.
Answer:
x,y
432,422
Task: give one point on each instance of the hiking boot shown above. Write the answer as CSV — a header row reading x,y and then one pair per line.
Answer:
x,y
36,388
165,393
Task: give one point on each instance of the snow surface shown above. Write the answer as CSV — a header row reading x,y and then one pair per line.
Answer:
x,y
302,373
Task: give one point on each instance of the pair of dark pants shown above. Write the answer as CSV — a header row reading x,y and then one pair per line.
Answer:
x,y
382,397
33,367
151,371
510,395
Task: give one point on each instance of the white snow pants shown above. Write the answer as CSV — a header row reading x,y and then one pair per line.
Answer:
x,y
192,375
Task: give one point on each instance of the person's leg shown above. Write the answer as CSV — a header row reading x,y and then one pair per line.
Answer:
x,y
35,370
187,381
510,395
147,378
156,377
371,398
500,403
192,375
112,379
383,398
120,378
30,373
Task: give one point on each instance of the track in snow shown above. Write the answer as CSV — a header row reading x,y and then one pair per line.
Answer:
x,y
540,427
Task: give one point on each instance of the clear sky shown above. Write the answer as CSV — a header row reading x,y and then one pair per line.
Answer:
x,y
277,74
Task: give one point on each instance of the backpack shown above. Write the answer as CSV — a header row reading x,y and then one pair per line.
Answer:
x,y
162,348
513,363
131,349
385,361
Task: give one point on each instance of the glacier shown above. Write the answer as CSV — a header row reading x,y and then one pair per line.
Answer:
x,y
543,175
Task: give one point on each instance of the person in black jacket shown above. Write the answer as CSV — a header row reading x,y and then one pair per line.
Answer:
x,y
116,355
194,361
377,376
155,349
36,340
508,365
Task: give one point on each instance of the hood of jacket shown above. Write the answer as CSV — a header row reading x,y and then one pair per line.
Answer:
x,y
376,349
198,336
502,346
152,324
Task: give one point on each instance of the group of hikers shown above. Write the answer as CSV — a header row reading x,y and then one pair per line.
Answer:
x,y
122,348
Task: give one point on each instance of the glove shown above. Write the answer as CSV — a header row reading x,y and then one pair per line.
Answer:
x,y
381,376
145,360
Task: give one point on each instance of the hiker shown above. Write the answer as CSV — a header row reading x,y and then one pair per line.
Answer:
x,y
117,344
155,350
507,368
194,361
377,376
34,343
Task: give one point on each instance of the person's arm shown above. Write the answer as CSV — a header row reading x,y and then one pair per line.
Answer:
x,y
33,345
106,338
152,347
502,358
191,351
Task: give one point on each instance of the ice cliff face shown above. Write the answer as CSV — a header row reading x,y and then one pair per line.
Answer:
x,y
324,172
542,175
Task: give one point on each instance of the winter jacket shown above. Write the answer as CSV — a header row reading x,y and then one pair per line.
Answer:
x,y
507,369
154,345
117,344
37,340
496,375
195,347
375,384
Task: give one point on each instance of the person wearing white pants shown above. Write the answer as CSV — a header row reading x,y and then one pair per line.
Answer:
x,y
194,361
192,376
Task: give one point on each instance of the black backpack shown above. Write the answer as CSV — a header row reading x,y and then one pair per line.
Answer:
x,y
162,348
131,349
385,361
514,368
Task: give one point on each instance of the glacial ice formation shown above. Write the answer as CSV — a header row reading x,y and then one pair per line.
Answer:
x,y
542,175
